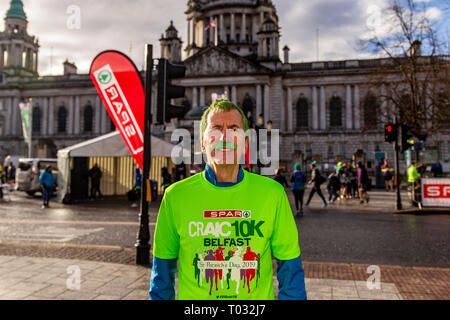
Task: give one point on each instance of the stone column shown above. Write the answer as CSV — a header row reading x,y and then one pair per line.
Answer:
x,y
105,118
71,116
233,94
323,109
266,104
348,107
243,27
51,116
290,115
7,103
232,28
315,109
223,36
356,108
204,42
98,114
383,106
77,115
193,32
44,128
194,97
15,115
202,96
189,32
211,30
226,90
258,101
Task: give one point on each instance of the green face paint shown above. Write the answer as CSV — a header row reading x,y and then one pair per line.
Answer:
x,y
223,144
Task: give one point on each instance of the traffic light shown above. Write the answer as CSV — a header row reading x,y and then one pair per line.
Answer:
x,y
406,139
390,132
167,91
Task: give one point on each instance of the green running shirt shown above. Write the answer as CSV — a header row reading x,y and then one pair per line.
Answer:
x,y
224,237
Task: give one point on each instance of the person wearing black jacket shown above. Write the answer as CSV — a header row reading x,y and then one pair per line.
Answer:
x,y
316,179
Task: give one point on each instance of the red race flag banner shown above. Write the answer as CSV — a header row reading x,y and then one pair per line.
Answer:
x,y
121,89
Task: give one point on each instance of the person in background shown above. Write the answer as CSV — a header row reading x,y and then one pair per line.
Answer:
x,y
167,178
316,180
2,175
388,173
95,174
180,173
298,187
47,181
342,174
436,170
362,178
333,186
413,175
280,178
136,192
11,173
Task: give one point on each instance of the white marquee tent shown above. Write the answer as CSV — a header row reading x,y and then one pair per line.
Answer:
x,y
111,146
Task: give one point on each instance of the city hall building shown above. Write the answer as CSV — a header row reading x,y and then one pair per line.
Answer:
x,y
325,110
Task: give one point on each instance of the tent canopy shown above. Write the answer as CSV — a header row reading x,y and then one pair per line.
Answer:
x,y
112,145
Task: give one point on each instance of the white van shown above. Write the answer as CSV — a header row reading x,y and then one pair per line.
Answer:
x,y
28,172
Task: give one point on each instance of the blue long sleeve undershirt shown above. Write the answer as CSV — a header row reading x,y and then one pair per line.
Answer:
x,y
290,273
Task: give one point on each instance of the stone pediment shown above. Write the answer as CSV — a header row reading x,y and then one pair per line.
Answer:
x,y
213,61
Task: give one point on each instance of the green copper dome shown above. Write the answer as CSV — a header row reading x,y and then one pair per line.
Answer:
x,y
16,10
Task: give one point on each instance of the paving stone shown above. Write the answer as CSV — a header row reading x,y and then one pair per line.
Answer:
x,y
77,295
106,297
50,292
15,295
137,295
319,296
28,286
345,291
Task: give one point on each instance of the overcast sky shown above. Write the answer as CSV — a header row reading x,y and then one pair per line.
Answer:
x,y
127,25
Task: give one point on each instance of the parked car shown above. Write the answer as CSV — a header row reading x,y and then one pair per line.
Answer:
x,y
28,172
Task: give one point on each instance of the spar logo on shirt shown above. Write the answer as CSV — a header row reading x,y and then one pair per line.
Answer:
x,y
222,214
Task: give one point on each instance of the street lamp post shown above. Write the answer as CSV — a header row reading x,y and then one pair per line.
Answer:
x,y
143,236
397,167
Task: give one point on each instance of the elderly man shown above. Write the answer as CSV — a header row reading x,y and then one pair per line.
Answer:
x,y
246,215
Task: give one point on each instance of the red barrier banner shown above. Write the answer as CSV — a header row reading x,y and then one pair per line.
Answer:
x,y
121,89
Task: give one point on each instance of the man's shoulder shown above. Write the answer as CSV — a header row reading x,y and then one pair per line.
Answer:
x,y
185,184
264,182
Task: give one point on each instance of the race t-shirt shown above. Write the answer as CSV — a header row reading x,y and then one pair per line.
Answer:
x,y
224,237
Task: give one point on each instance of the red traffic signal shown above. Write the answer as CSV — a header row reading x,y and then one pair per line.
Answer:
x,y
390,132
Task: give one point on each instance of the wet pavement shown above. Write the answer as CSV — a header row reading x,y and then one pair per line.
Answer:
x,y
338,245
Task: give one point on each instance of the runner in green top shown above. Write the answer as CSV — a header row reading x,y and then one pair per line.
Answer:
x,y
224,224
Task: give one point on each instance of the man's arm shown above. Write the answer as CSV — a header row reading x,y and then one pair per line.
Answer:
x,y
162,281
291,279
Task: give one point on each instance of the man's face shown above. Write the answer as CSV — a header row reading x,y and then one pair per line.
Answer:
x,y
224,137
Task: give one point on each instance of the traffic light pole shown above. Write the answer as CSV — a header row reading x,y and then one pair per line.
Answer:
x,y
397,168
143,236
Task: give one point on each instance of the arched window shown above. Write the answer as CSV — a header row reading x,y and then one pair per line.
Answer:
x,y
87,117
36,120
302,115
62,119
335,112
371,110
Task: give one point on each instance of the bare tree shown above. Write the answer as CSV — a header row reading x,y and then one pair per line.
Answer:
x,y
414,73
